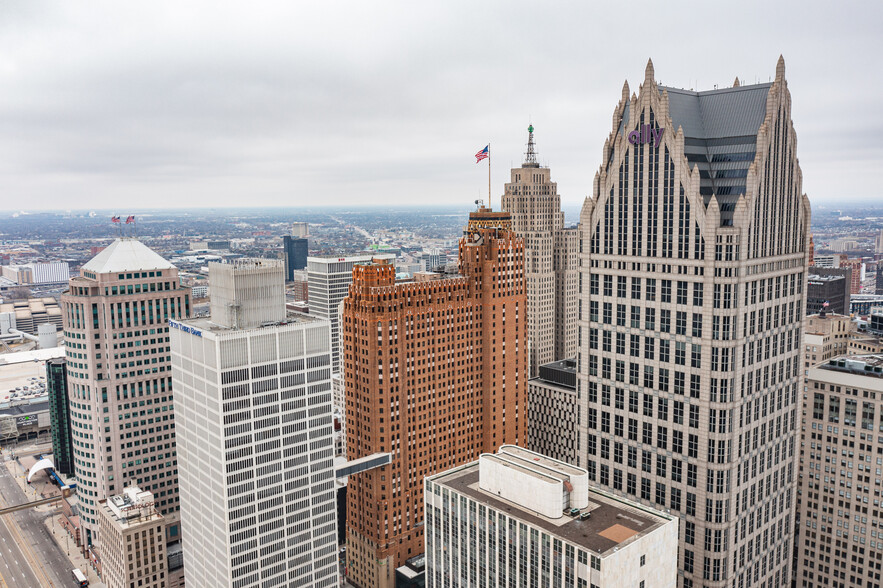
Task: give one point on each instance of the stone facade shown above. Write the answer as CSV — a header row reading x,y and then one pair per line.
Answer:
x,y
119,378
839,542
694,249
550,260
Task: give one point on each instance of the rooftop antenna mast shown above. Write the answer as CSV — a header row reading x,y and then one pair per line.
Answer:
x,y
530,157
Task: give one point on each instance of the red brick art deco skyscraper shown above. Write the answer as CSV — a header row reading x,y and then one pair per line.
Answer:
x,y
436,374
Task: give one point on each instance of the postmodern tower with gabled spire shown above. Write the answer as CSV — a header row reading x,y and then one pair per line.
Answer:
x,y
531,197
694,250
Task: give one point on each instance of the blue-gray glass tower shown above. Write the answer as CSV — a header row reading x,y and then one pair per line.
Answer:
x,y
296,250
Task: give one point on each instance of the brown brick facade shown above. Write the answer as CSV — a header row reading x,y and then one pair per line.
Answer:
x,y
435,373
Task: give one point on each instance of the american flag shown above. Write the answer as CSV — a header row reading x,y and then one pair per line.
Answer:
x,y
130,219
114,219
483,154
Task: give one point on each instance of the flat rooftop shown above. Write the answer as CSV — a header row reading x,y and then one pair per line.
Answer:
x,y
30,374
205,323
867,365
614,522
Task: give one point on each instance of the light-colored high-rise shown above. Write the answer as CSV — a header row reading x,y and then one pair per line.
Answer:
x,y
329,281
253,405
518,518
119,378
839,537
694,251
550,260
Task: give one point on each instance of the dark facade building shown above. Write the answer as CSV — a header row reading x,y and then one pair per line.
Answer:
x,y
828,285
552,409
879,285
295,255
59,416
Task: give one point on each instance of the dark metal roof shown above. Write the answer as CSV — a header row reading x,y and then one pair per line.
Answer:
x,y
715,114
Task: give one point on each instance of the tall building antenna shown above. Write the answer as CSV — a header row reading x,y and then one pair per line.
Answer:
x,y
530,158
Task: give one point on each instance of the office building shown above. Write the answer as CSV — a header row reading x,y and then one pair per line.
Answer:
x,y
435,372
519,518
296,251
838,511
210,245
329,279
254,421
831,261
55,272
858,274
878,284
552,412
694,256
133,546
832,286
827,335
300,230
864,304
531,197
119,378
60,417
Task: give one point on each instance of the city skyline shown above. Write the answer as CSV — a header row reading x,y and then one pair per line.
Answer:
x,y
220,107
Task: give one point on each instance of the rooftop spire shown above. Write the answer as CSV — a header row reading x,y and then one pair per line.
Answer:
x,y
530,157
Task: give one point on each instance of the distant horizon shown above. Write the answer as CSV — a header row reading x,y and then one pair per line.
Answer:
x,y
569,204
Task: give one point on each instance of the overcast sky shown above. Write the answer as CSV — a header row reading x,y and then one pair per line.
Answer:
x,y
160,104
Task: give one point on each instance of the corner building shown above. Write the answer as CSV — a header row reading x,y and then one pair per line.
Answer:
x,y
120,378
436,374
694,250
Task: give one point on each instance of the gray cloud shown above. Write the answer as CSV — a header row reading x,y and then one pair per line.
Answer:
x,y
269,103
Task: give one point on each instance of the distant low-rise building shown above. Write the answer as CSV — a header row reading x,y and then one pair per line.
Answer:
x,y
55,272
27,315
219,245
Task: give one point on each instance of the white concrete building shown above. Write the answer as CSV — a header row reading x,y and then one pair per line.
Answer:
x,y
329,281
518,519
254,422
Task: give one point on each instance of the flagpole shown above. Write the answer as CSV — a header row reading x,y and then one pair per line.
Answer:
x,y
489,203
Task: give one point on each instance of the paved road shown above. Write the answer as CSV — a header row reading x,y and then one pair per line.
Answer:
x,y
36,560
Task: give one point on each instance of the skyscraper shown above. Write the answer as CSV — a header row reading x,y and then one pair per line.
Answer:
x,y
694,251
119,378
253,405
329,280
550,258
60,416
838,512
435,373
296,251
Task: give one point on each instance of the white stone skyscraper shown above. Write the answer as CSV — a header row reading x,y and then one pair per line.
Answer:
x,y
119,378
550,260
694,248
253,399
